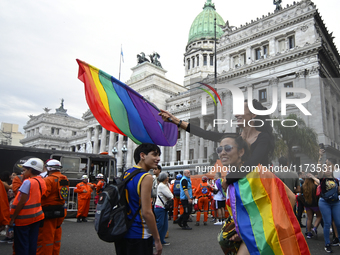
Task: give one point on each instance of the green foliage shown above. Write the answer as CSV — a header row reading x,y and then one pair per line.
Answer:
x,y
288,137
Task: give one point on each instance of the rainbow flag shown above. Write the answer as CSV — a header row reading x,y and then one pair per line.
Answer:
x,y
120,109
264,217
218,183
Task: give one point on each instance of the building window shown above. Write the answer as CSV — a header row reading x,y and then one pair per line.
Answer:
x,y
193,62
265,50
198,60
125,138
282,45
52,131
179,134
211,60
243,59
74,133
178,156
205,154
257,53
188,64
289,85
191,154
205,60
236,60
263,95
291,42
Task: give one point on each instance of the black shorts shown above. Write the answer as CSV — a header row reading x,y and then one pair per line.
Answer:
x,y
129,246
219,204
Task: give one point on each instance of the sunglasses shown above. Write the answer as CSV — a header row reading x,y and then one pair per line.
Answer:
x,y
226,148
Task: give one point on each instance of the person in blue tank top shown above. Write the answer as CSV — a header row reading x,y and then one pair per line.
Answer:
x,y
186,200
138,240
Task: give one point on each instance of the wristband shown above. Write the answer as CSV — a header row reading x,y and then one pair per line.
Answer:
x,y
179,123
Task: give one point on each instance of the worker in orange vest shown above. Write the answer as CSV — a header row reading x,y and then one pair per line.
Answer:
x,y
4,208
202,194
84,190
53,204
99,187
26,210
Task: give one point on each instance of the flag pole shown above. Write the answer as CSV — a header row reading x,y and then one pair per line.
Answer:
x,y
120,60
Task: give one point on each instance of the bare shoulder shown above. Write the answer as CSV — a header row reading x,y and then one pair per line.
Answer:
x,y
147,179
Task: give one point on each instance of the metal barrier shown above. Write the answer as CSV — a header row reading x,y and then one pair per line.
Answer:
x,y
71,202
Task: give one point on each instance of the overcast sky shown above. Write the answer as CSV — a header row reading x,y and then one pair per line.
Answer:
x,y
40,41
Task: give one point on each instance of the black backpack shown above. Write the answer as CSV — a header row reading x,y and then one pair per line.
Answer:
x,y
111,222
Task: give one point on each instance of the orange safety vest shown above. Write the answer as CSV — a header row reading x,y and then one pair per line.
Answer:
x,y
203,190
57,189
100,186
83,186
32,211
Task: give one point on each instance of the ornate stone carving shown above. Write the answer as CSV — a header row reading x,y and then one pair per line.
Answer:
x,y
304,28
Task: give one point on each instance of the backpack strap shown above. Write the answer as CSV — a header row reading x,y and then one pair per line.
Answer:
x,y
39,185
161,199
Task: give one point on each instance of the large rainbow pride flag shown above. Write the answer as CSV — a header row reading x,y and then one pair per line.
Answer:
x,y
264,217
120,109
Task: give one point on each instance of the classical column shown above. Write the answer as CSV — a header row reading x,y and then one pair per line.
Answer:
x,y
111,142
228,111
210,149
162,148
96,139
173,158
196,149
187,145
129,157
201,147
103,140
89,134
120,153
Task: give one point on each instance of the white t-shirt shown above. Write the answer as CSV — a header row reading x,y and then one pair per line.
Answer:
x,y
164,192
218,196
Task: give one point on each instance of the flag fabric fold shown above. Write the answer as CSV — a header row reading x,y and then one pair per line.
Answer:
x,y
120,109
264,217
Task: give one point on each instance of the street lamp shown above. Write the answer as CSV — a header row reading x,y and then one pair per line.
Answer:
x,y
114,152
124,150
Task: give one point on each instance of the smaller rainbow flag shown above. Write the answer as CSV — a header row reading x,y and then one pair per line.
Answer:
x,y
264,217
120,109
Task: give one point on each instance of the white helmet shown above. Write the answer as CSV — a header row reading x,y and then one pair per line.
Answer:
x,y
53,165
35,163
100,176
84,177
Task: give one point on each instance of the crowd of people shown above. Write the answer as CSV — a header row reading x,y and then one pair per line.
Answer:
x,y
259,211
32,202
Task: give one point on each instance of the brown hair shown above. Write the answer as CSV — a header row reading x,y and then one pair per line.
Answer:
x,y
309,190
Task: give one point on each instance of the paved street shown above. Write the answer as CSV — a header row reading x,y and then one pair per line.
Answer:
x,y
81,239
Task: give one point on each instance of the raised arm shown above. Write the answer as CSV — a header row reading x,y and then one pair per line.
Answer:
x,y
192,129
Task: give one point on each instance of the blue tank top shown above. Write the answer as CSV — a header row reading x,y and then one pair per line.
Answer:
x,y
139,229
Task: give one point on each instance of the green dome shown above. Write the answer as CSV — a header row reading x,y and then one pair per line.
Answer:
x,y
203,25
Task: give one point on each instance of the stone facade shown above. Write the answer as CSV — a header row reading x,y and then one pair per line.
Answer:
x,y
289,48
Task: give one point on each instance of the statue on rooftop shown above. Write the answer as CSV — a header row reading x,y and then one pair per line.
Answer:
x,y
154,59
141,58
278,4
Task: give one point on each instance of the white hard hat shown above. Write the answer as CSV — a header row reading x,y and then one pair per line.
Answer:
x,y
53,165
84,177
100,176
35,163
